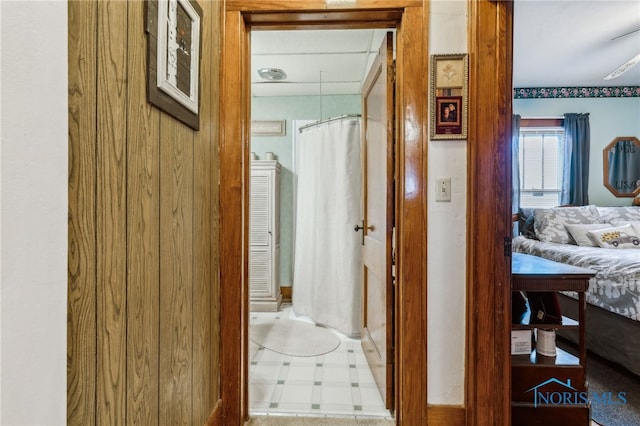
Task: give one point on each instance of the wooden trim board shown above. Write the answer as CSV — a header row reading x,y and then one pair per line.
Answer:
x,y
488,362
446,415
287,294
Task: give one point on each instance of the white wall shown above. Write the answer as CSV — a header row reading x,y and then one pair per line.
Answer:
x,y
447,224
34,213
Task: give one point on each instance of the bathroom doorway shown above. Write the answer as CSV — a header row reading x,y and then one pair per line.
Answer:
x,y
318,74
410,17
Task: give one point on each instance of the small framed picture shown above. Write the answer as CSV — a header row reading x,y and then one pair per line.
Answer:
x,y
449,111
448,100
268,128
173,58
449,72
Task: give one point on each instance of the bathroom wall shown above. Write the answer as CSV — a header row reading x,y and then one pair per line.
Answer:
x,y
291,108
608,119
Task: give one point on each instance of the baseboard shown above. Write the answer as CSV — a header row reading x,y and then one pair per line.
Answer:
x,y
286,294
215,418
446,415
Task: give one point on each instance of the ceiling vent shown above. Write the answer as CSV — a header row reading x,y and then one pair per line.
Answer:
x,y
272,74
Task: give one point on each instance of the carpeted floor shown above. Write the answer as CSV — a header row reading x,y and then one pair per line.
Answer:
x,y
605,377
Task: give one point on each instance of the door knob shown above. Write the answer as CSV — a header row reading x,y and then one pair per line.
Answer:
x,y
358,228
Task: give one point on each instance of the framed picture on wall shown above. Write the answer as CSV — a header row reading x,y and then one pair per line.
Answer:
x,y
268,127
448,100
449,112
173,58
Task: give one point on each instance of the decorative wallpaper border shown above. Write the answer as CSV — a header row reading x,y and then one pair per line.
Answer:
x,y
576,92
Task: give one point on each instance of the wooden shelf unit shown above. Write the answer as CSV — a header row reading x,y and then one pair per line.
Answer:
x,y
559,374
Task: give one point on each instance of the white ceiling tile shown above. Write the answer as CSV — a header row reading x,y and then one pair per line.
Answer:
x,y
313,41
304,89
307,68
284,89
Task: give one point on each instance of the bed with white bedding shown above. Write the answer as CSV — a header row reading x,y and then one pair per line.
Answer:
x,y
613,298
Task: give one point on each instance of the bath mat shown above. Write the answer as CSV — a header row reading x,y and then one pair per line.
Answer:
x,y
295,338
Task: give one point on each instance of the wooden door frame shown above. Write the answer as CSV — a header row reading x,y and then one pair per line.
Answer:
x,y
488,272
488,360
411,18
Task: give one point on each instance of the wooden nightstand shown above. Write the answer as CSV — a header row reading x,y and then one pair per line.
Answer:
x,y
550,390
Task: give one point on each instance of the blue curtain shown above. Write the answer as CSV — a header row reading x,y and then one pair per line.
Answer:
x,y
515,163
575,182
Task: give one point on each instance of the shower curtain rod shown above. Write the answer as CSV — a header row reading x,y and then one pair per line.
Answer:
x,y
340,117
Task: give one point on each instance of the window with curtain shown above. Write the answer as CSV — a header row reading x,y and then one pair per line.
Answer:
x,y
541,166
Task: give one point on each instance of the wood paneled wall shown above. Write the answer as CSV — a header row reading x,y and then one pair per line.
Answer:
x,y
143,306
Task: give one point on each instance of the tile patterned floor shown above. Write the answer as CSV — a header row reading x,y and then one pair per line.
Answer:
x,y
336,384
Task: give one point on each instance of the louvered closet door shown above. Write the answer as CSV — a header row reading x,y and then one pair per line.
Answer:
x,y
261,210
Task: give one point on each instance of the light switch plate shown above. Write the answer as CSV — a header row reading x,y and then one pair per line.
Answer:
x,y
443,189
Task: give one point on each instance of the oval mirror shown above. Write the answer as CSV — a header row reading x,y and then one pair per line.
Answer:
x,y
622,166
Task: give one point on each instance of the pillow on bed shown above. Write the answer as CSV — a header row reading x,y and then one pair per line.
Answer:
x,y
609,214
550,224
580,236
634,223
617,237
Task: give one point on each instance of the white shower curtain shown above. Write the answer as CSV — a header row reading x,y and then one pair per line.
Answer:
x,y
327,253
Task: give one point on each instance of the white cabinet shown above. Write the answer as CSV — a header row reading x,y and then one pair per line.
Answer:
x,y
264,236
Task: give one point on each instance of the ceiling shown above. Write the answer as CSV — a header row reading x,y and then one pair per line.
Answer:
x,y
327,62
570,43
556,43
